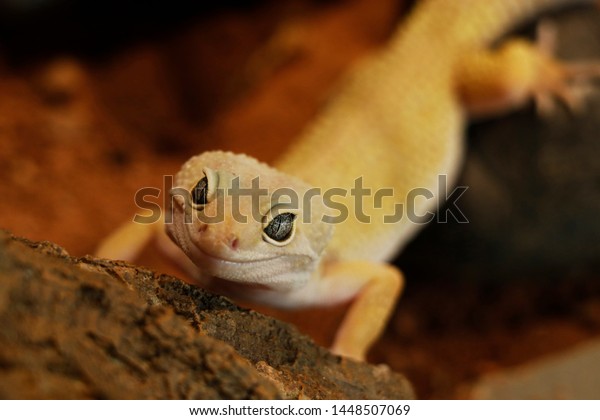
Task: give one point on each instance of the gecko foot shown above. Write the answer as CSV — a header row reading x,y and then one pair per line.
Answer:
x,y
561,82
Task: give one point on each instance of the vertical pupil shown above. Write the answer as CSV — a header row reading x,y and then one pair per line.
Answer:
x,y
200,191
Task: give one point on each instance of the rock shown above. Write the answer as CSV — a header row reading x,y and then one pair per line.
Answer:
x,y
92,328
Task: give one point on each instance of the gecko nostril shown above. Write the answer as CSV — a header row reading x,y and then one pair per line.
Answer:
x,y
234,243
202,228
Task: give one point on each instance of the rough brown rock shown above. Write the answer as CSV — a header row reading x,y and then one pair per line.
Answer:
x,y
91,328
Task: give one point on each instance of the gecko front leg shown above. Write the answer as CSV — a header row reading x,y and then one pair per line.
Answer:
x,y
379,287
127,242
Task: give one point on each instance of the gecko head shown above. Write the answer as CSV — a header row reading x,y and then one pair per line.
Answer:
x,y
240,220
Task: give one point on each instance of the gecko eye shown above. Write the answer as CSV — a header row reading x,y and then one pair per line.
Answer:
x,y
206,189
200,192
280,229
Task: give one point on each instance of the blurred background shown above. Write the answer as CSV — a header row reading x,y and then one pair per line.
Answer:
x,y
99,99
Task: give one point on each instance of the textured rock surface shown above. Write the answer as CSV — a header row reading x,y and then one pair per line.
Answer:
x,y
88,328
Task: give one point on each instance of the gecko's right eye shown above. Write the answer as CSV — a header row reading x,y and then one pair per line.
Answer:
x,y
280,229
200,192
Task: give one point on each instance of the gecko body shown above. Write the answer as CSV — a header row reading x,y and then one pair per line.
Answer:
x,y
396,125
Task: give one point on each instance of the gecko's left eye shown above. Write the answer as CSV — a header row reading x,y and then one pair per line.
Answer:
x,y
204,191
280,230
200,192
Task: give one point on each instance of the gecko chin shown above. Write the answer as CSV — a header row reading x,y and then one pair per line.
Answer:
x,y
283,272
230,259
275,272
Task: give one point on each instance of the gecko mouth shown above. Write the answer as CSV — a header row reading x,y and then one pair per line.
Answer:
x,y
198,250
239,271
213,257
